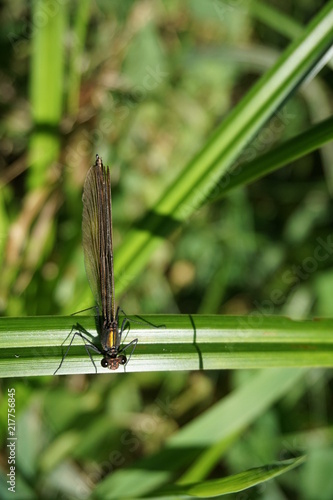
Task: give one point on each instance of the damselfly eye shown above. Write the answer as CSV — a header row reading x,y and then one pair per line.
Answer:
x,y
104,363
122,359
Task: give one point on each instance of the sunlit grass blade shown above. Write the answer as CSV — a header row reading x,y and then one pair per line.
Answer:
x,y
277,20
208,459
46,87
230,484
291,150
196,181
36,345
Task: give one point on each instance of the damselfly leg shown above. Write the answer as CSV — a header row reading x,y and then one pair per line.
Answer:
x,y
88,345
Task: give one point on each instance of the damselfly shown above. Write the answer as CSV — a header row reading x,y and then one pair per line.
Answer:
x,y
98,259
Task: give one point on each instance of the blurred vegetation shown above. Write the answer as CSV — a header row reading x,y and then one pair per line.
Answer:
x,y
144,84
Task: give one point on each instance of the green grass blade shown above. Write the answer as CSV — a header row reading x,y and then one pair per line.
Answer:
x,y
278,20
200,176
35,345
291,150
207,460
227,417
46,87
275,19
75,62
231,484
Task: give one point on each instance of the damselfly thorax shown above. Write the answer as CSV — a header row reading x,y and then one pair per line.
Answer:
x,y
110,341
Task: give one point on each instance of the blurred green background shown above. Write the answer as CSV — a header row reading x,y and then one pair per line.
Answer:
x,y
143,84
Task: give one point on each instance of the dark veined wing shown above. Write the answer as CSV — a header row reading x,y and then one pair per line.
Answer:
x,y
97,238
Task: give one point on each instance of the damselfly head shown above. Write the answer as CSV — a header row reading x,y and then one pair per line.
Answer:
x,y
113,363
99,161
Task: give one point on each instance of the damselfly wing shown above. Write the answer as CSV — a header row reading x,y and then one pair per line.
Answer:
x,y
98,259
